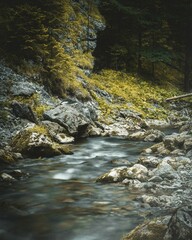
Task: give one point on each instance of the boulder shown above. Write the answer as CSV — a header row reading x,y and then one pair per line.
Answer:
x,y
57,132
148,136
8,157
164,170
7,177
149,161
71,119
114,175
119,174
180,225
35,142
149,230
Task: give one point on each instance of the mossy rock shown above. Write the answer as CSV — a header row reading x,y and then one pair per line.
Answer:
x,y
34,142
6,157
151,230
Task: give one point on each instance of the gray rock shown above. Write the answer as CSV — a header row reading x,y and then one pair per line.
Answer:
x,y
23,88
24,111
7,178
58,133
180,225
118,174
149,161
148,136
165,170
68,117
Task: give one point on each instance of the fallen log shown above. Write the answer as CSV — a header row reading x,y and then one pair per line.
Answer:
x,y
178,97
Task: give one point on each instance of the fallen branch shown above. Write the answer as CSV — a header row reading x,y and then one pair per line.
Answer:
x,y
178,97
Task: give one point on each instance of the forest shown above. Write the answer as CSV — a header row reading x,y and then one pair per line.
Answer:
x,y
151,38
147,37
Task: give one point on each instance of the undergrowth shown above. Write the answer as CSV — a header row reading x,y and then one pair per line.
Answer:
x,y
133,93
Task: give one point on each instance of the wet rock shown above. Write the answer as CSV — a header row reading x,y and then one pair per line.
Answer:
x,y
34,142
180,225
7,156
150,230
7,178
71,119
121,162
156,179
133,183
18,174
114,175
118,174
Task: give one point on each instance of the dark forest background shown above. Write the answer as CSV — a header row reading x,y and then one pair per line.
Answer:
x,y
149,37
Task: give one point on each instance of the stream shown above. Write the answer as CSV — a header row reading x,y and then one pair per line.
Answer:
x,y
61,200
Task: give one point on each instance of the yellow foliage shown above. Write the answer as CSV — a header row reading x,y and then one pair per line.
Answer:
x,y
131,92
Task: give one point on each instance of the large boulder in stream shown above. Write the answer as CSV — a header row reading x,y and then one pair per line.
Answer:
x,y
119,174
149,230
71,119
34,141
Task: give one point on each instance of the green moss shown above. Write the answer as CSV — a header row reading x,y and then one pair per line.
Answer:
x,y
39,144
34,102
133,93
153,230
6,157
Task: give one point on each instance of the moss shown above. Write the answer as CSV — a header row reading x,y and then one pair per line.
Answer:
x,y
133,93
34,102
153,230
38,144
6,157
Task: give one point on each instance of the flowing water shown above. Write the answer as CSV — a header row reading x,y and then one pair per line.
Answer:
x,y
61,200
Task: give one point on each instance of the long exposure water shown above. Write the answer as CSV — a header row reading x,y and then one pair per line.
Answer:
x,y
61,200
